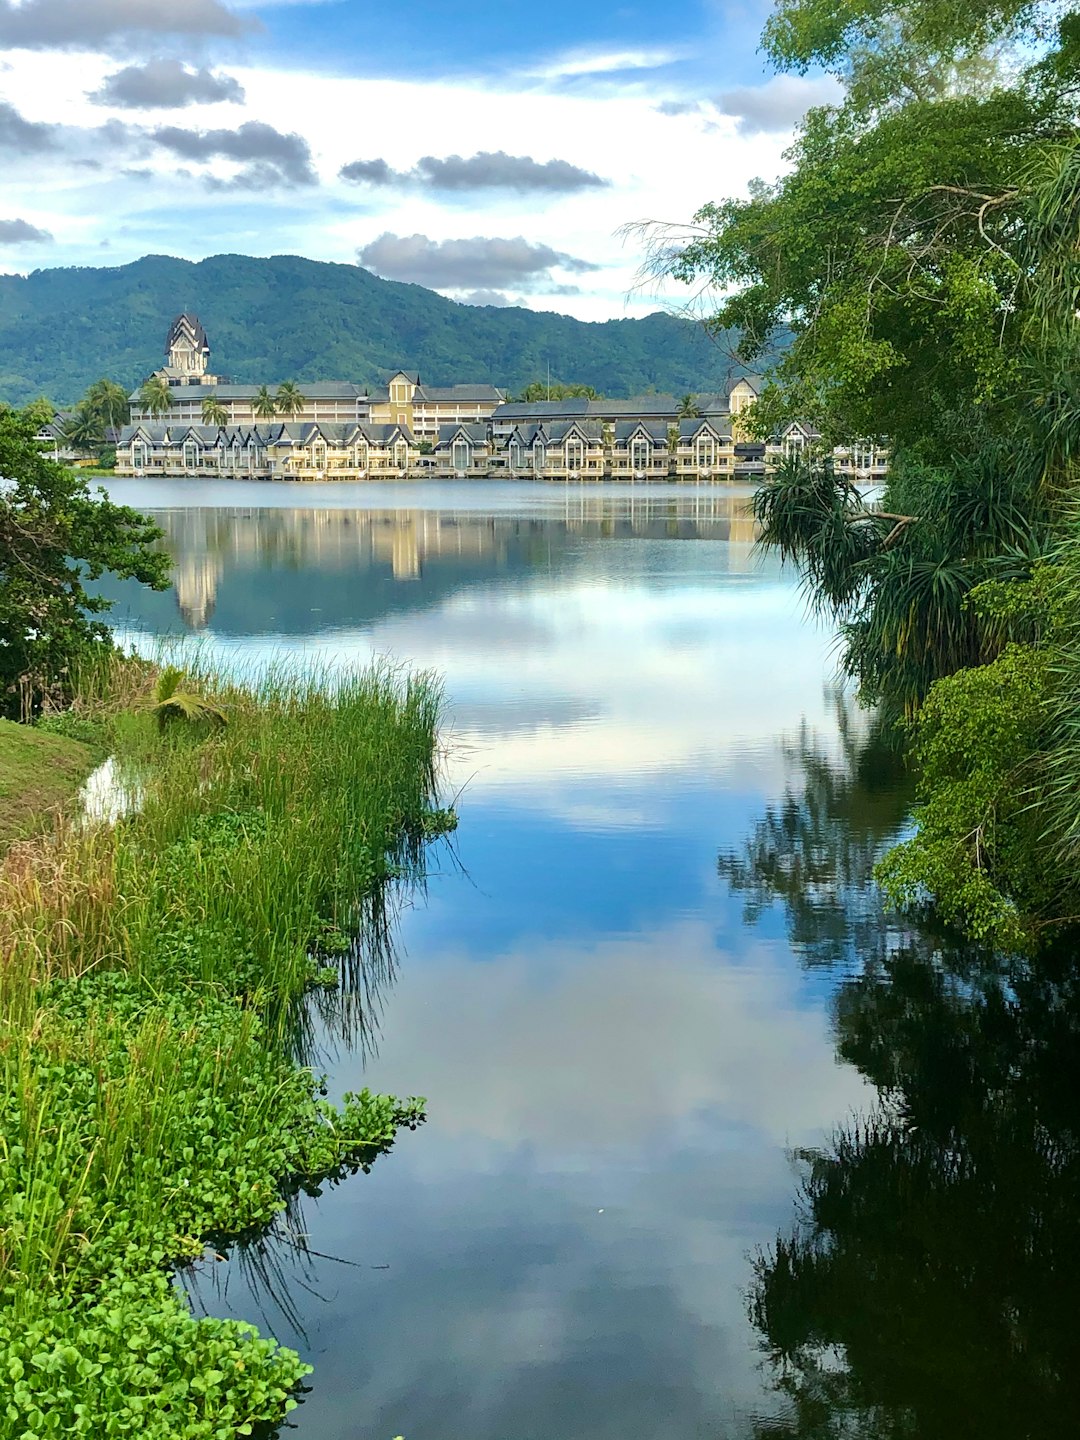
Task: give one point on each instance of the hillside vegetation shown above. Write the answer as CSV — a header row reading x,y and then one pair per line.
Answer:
x,y
287,318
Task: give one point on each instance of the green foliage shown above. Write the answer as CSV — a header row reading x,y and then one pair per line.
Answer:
x,y
155,396
264,405
109,401
896,576
556,390
214,412
289,400
171,702
55,534
978,851
283,315
150,1096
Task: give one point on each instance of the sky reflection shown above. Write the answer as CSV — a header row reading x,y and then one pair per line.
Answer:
x,y
617,1068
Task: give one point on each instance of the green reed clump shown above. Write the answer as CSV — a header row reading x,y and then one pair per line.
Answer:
x,y
149,976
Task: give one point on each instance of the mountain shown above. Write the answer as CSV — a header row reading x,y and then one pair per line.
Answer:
x,y
286,318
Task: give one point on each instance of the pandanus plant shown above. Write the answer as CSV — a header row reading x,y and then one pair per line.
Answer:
x,y
172,702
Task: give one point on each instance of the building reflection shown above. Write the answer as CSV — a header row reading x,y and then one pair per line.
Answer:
x,y
208,543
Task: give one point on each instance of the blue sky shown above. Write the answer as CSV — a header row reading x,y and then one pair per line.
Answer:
x,y
493,152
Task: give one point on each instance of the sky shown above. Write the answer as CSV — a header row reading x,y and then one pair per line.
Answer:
x,y
494,152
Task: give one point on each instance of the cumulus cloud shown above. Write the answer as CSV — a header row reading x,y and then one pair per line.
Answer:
x,y
485,297
165,85
273,158
779,104
19,136
21,232
678,107
88,24
486,170
479,263
370,172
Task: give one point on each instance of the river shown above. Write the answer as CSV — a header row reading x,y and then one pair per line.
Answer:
x,y
647,989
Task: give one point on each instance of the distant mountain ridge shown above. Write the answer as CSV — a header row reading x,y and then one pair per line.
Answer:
x,y
287,318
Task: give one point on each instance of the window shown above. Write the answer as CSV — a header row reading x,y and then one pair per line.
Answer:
x,y
705,452
318,454
575,455
794,444
517,455
865,457
461,455
361,457
138,455
401,455
539,456
640,453
191,455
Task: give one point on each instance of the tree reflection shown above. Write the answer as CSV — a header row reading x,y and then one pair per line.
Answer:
x,y
931,1289
928,1290
815,850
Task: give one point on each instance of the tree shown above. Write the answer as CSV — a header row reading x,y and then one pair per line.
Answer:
x,y
155,396
289,399
556,390
84,428
55,534
214,412
109,400
264,405
688,408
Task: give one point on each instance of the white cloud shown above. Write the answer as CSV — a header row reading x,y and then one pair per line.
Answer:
x,y
659,165
779,104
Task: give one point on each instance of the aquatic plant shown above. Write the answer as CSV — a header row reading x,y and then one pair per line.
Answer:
x,y
151,978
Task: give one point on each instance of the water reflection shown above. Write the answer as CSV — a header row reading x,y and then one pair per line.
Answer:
x,y
618,1067
928,1287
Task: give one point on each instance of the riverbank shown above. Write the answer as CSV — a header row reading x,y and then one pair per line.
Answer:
x,y
39,773
152,989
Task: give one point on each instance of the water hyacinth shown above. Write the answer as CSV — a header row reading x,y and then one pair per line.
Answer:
x,y
152,977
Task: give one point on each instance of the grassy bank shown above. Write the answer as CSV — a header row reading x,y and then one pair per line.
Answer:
x,y
39,772
151,979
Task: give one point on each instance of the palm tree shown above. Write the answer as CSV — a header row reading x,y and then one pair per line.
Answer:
x,y
155,396
110,400
84,428
264,406
214,412
688,408
289,400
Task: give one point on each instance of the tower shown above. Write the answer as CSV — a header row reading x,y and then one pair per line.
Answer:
x,y
187,350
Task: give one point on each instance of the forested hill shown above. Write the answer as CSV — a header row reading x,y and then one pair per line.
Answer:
x,y
286,318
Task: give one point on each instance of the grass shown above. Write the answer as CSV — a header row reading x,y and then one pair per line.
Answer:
x,y
39,773
152,984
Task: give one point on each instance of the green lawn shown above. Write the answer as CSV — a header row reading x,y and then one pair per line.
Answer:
x,y
38,772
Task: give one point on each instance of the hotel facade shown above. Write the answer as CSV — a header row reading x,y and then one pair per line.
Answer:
x,y
407,430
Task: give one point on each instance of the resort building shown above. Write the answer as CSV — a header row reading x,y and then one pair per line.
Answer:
x,y
340,431
402,401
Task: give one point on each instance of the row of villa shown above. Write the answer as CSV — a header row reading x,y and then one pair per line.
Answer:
x,y
408,430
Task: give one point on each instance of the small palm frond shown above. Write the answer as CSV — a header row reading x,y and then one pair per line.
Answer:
x,y
173,703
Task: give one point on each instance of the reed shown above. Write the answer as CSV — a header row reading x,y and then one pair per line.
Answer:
x,y
151,976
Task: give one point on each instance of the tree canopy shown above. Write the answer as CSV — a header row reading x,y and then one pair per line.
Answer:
x,y
55,536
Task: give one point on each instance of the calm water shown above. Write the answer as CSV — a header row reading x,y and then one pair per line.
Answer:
x,y
647,985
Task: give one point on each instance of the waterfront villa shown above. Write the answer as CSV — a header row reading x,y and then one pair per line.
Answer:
x,y
405,429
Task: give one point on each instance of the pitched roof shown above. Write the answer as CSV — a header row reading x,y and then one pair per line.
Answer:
x,y
188,327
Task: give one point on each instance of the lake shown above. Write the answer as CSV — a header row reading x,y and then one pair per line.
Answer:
x,y
714,1148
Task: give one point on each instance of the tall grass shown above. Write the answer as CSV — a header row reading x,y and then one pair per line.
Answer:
x,y
151,977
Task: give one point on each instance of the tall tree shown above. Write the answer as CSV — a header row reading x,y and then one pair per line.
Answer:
x,y
55,534
214,412
110,401
264,406
289,399
155,396
84,429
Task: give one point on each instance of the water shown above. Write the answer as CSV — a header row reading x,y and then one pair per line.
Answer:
x,y
647,979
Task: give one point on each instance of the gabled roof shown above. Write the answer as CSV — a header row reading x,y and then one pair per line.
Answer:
x,y
473,432
188,327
